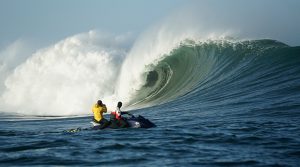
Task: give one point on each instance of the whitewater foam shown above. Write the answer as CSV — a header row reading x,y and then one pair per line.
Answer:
x,y
66,78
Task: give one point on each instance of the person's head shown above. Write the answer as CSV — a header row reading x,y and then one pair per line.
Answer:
x,y
99,102
119,104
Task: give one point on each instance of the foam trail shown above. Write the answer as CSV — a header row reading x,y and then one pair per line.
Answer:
x,y
66,78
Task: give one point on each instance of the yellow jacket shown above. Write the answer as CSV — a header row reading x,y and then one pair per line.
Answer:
x,y
98,111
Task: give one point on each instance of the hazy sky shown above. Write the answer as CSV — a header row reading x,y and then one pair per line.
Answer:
x,y
53,20
61,18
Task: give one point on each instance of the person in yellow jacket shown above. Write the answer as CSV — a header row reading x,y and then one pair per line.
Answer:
x,y
98,109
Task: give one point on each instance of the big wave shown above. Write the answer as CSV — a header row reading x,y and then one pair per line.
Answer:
x,y
68,77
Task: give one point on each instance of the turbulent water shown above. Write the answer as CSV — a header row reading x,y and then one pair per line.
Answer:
x,y
215,103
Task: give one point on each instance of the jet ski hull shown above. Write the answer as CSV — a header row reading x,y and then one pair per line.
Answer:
x,y
133,122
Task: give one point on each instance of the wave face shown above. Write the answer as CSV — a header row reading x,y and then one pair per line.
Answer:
x,y
259,73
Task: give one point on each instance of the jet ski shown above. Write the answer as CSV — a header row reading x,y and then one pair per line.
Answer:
x,y
133,122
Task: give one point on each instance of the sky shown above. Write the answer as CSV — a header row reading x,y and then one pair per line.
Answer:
x,y
56,19
51,21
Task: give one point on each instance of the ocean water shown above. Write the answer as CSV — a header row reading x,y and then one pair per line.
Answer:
x,y
215,103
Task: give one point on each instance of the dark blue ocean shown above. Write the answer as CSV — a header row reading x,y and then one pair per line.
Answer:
x,y
213,103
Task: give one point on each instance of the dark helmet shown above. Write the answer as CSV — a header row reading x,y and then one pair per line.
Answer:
x,y
119,104
99,102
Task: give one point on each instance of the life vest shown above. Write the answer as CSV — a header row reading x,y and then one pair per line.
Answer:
x,y
115,115
98,112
